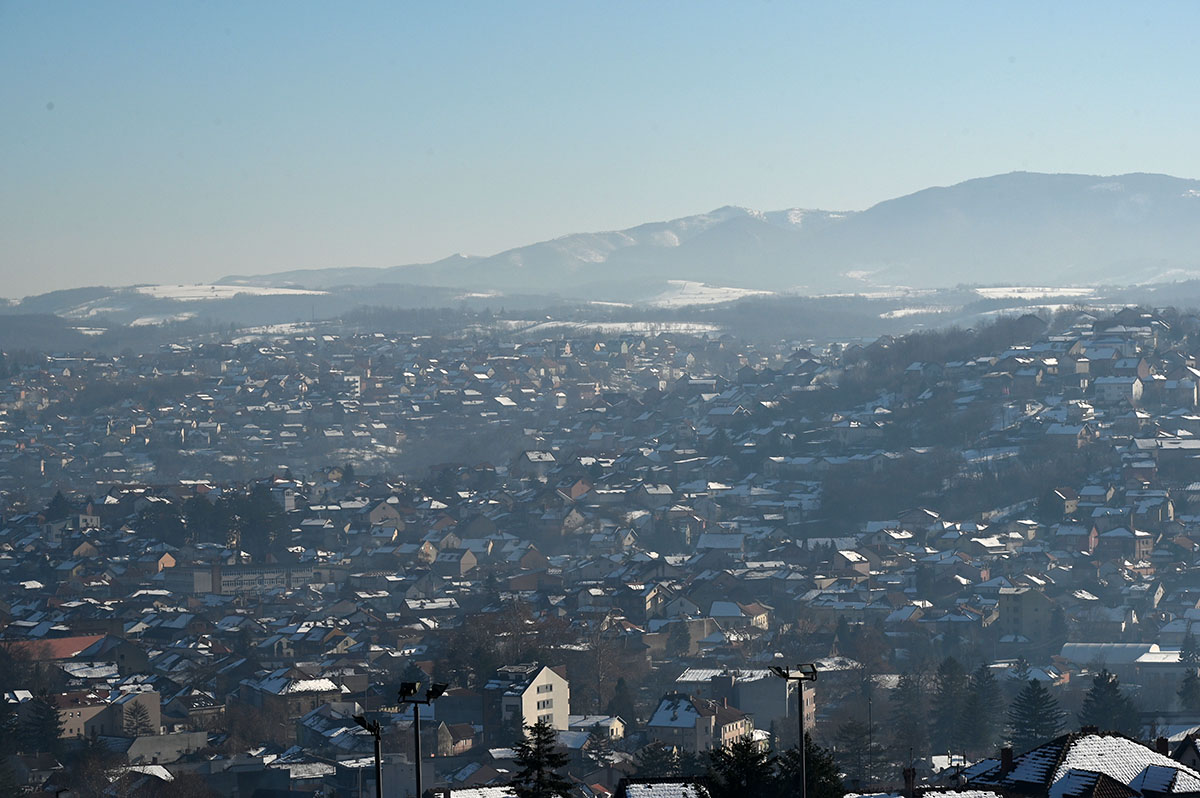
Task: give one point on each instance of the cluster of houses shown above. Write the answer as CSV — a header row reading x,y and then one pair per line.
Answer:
x,y
655,539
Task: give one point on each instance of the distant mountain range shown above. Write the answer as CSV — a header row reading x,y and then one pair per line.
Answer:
x,y
1012,243
1018,228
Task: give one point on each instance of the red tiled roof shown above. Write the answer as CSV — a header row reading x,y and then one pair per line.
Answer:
x,y
54,648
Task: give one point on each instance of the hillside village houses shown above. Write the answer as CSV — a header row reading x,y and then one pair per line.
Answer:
x,y
625,530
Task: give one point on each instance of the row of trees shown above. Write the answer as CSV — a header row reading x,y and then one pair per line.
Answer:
x,y
252,521
961,712
737,770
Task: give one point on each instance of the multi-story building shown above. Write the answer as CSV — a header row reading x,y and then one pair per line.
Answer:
x,y
524,694
692,724
284,696
1023,615
771,701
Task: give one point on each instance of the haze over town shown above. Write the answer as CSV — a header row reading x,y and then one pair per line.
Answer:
x,y
630,401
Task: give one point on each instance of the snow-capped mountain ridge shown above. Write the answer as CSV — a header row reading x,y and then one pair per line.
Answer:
x,y
1022,227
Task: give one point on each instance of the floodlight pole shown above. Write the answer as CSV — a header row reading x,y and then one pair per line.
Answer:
x,y
417,742
408,692
800,674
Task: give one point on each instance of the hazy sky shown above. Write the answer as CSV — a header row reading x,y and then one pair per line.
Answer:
x,y
183,141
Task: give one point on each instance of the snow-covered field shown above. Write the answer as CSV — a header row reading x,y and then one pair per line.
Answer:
x,y
146,321
1031,292
191,293
287,328
888,293
90,309
618,327
252,334
900,313
610,327
1051,307
687,292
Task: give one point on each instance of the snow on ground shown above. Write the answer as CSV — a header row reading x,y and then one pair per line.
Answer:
x,y
252,334
688,292
90,309
896,292
612,327
1031,292
900,313
146,321
90,330
200,291
1168,276
1044,308
288,328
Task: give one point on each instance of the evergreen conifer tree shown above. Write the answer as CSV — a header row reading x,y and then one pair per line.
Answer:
x,y
982,711
907,718
258,522
1107,708
740,769
1059,628
413,673
58,508
823,777
41,729
692,765
599,746
858,752
1034,717
137,720
1189,650
8,780
656,760
679,641
1189,692
539,761
621,704
950,692
9,731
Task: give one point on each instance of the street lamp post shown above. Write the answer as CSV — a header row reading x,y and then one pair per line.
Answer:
x,y
408,695
373,727
806,672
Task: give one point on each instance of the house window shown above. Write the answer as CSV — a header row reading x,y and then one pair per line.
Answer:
x,y
547,704
545,688
548,717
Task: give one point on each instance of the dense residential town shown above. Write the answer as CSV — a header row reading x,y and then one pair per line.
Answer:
x,y
231,568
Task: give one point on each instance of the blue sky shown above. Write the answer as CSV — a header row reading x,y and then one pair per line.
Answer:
x,y
183,141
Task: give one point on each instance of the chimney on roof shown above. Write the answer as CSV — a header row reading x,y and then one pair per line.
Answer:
x,y
910,782
1006,760
1162,746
